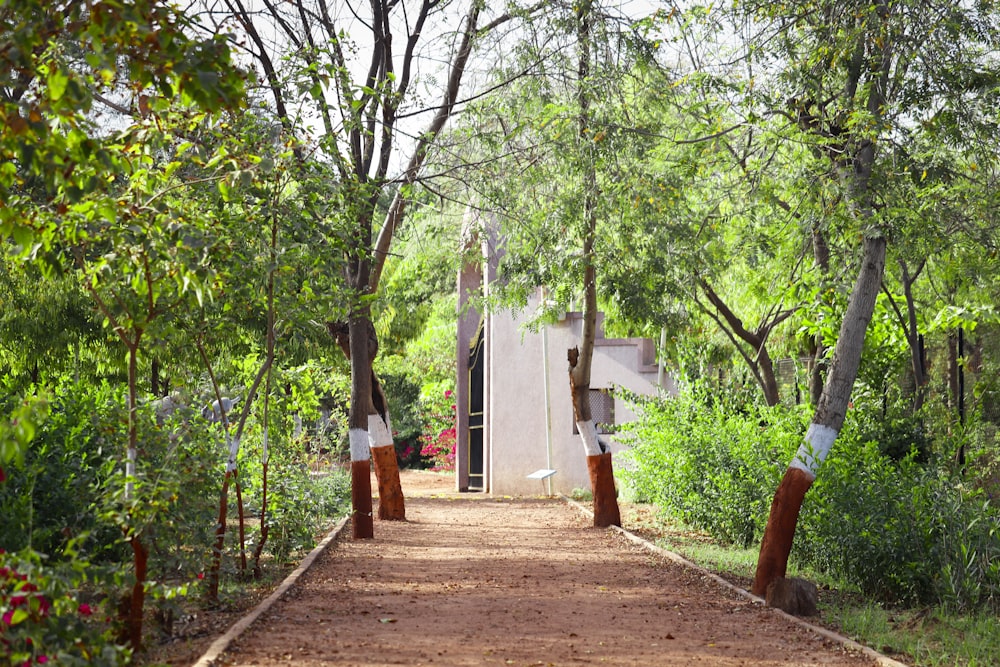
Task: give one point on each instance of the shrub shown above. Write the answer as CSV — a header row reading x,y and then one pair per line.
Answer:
x,y
900,531
42,618
300,505
905,530
438,437
709,464
53,495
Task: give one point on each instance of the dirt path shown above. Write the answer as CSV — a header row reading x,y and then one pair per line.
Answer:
x,y
470,580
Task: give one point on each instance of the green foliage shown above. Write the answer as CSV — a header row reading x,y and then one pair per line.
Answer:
x,y
402,390
300,505
300,502
31,344
709,462
422,326
414,282
43,618
900,531
56,58
52,498
19,427
70,489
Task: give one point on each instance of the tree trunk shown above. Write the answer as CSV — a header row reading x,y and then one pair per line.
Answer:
x,y
769,383
827,421
758,359
139,552
154,378
270,344
138,598
392,506
908,322
598,452
220,540
913,338
361,407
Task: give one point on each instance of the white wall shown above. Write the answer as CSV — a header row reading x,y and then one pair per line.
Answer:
x,y
516,396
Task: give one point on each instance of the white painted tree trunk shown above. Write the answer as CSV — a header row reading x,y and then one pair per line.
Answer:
x,y
827,421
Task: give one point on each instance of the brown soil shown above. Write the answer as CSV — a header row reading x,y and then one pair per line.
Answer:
x,y
474,580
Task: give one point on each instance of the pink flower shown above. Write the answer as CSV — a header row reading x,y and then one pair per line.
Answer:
x,y
42,659
447,393
18,600
8,617
85,609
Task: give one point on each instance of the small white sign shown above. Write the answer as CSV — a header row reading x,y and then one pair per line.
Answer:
x,y
542,474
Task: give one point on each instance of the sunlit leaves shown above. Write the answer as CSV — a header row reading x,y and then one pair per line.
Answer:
x,y
56,57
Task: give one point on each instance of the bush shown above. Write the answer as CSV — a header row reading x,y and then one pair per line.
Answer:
x,y
42,618
299,507
437,402
52,496
899,530
709,464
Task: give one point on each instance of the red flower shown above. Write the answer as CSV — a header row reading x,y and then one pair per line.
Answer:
x,y
8,617
42,659
44,605
3,476
18,600
85,609
201,575
447,393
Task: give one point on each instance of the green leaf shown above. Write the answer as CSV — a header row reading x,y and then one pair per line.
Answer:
x,y
18,616
57,84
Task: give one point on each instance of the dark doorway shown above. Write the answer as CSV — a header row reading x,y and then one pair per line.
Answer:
x,y
477,366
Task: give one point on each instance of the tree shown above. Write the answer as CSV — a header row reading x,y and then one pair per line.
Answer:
x,y
857,92
359,107
602,481
552,147
69,189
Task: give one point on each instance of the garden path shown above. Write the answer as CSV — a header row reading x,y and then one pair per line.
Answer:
x,y
474,580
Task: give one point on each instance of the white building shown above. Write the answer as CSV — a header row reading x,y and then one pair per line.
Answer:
x,y
515,416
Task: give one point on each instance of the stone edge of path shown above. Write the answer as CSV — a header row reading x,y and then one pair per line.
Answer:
x,y
882,660
221,644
